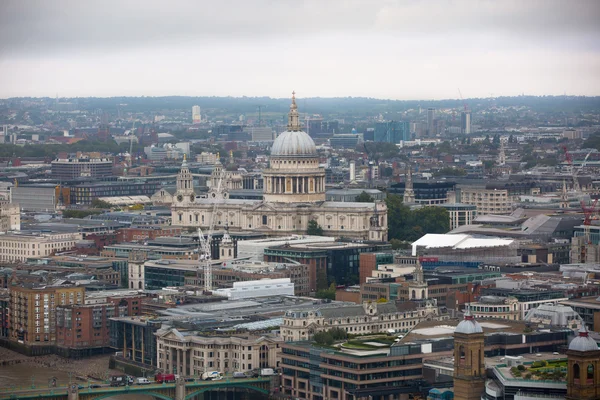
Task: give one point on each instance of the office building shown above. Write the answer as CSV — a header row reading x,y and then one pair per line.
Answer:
x,y
85,193
36,197
460,214
365,318
191,353
23,245
81,166
392,132
465,122
426,192
345,140
261,133
431,122
196,116
261,288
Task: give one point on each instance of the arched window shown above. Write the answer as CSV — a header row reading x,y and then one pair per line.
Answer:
x,y
264,220
590,373
414,294
229,252
576,373
423,293
139,284
461,353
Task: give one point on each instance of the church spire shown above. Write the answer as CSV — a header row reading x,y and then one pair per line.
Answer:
x,y
293,116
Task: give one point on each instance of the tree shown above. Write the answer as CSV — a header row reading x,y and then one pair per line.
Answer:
x,y
79,213
326,293
382,300
323,338
314,228
407,225
592,142
364,197
97,203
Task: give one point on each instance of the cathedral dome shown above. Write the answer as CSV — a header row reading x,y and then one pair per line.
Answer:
x,y
294,143
583,342
468,325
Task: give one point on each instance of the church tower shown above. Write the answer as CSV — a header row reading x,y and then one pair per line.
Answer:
x,y
502,155
564,197
226,250
583,374
417,288
185,184
469,366
409,193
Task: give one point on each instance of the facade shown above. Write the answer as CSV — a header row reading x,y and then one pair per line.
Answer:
x,y
589,310
85,193
555,315
146,232
294,195
527,299
192,354
583,374
488,201
38,197
206,158
316,373
196,116
431,122
361,319
10,216
426,193
369,262
262,288
460,214
465,122
261,134
134,338
495,307
87,326
392,132
21,246
469,365
33,311
81,166
345,140
328,262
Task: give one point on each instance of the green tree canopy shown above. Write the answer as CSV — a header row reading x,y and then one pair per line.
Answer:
x,y
97,203
405,224
314,228
364,197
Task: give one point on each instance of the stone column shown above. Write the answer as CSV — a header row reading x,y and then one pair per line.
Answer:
x,y
180,388
178,361
184,352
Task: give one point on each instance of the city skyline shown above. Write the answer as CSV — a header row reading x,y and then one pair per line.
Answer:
x,y
406,50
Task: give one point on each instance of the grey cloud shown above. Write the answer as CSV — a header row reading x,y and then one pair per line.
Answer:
x,y
65,26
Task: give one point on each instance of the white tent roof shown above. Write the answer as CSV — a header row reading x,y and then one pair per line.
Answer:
x,y
459,242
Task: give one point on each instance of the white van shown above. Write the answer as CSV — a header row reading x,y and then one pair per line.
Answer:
x,y
267,372
212,376
143,381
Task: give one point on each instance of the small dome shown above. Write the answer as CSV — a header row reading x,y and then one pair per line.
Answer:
x,y
583,342
468,325
294,143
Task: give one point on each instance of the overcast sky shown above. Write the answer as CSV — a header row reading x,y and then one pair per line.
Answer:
x,y
404,49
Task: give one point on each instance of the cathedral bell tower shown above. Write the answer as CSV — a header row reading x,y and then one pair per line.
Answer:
x,y
469,366
185,185
583,362
226,248
409,193
417,288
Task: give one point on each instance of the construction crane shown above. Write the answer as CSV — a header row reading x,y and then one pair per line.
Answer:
x,y
572,169
463,101
589,213
204,243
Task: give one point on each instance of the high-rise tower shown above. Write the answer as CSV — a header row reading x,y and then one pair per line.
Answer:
x,y
196,116
465,122
469,366
430,122
409,193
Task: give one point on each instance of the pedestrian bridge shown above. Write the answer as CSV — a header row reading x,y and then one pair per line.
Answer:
x,y
166,391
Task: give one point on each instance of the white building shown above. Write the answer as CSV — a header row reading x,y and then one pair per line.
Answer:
x,y
294,195
21,246
555,315
262,288
10,216
255,249
196,116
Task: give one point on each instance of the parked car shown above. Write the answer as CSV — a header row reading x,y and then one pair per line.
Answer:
x,y
239,375
143,381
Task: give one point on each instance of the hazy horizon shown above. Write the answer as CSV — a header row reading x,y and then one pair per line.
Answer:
x,y
387,49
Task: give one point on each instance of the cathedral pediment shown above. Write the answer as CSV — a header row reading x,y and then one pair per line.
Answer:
x,y
263,206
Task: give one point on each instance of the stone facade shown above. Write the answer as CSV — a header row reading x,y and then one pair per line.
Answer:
x,y
192,355
294,195
360,319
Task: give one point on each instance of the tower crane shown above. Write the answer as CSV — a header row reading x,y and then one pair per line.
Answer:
x,y
204,243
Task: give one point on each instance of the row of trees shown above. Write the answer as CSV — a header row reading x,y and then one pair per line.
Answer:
x,y
406,225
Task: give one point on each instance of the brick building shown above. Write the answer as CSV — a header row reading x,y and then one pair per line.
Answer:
x,y
87,326
141,233
33,311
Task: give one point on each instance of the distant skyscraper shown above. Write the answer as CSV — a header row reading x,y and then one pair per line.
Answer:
x,y
430,122
391,132
465,122
196,117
